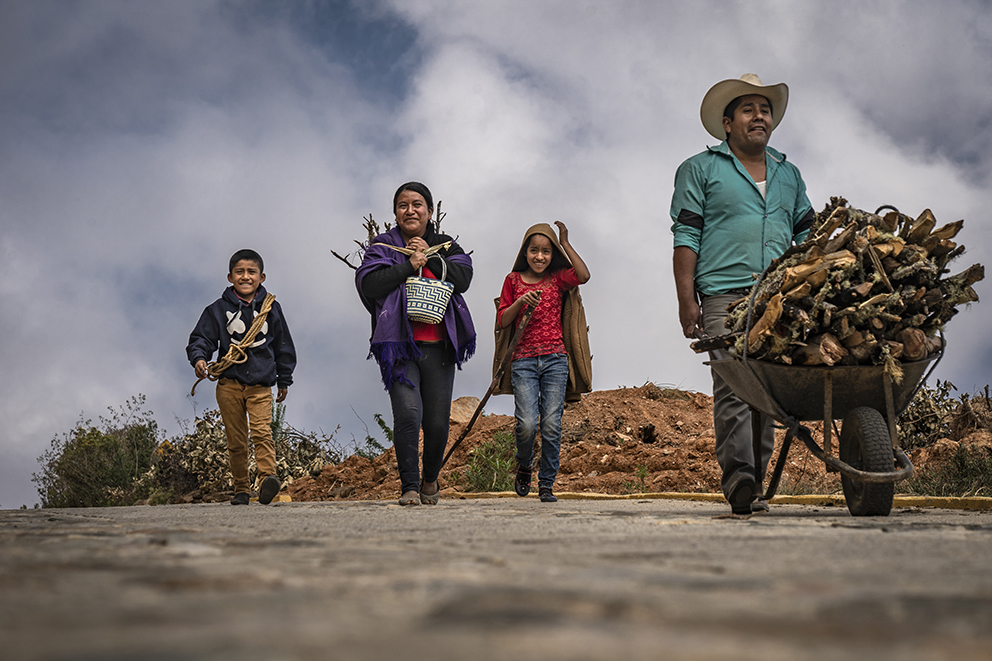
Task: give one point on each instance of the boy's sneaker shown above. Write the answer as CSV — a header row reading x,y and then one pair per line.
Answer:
x,y
240,499
522,484
270,487
547,496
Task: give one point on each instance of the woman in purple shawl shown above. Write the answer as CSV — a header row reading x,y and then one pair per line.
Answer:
x,y
417,360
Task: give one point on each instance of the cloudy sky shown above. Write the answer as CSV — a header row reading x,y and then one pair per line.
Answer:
x,y
143,142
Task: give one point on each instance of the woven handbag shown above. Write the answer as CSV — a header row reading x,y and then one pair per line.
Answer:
x,y
427,298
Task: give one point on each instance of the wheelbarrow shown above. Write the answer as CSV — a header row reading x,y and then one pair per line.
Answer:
x,y
870,458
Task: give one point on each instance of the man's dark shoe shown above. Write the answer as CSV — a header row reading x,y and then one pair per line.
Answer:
x,y
522,484
741,496
240,499
270,487
759,505
547,496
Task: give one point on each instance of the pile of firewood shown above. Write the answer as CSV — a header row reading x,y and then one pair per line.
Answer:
x,y
864,288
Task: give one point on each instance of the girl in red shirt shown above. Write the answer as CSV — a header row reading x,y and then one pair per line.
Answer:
x,y
546,267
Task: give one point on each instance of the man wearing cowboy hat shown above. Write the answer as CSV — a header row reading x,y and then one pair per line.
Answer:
x,y
736,207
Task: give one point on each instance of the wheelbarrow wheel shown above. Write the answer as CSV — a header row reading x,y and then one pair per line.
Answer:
x,y
865,444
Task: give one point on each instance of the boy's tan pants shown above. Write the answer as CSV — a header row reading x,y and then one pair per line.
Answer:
x,y
244,408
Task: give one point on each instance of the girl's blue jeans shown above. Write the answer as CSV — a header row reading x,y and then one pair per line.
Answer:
x,y
538,401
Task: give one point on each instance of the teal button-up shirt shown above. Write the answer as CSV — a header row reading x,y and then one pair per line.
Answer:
x,y
720,214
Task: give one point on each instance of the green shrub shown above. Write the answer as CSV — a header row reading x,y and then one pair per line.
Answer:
x,y
492,465
372,447
94,466
927,419
199,458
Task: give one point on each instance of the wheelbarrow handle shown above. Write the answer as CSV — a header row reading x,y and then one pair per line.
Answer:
x,y
905,466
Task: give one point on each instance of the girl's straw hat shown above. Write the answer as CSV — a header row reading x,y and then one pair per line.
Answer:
x,y
716,100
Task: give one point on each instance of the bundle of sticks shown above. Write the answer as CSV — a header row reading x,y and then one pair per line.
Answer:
x,y
864,288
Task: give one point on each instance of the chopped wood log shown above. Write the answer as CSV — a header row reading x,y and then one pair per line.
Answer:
x,y
891,221
948,231
879,268
823,349
864,351
943,247
968,277
914,344
716,342
895,348
920,228
839,241
874,300
799,292
835,220
891,264
764,325
893,248
853,339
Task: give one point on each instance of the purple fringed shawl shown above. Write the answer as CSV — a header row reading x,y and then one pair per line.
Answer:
x,y
392,338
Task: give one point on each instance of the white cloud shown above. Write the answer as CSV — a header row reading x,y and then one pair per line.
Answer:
x,y
152,140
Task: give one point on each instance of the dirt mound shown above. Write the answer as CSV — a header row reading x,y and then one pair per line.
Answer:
x,y
629,440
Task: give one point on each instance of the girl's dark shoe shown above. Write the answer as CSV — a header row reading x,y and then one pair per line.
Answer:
x,y
240,499
522,484
547,496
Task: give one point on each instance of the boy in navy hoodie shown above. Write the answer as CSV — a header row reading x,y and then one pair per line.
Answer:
x,y
244,390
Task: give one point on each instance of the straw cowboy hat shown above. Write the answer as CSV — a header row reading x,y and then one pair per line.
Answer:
x,y
716,100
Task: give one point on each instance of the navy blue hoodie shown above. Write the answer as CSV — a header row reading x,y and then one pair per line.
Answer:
x,y
272,356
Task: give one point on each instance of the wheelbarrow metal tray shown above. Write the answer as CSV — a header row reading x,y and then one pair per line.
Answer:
x,y
793,391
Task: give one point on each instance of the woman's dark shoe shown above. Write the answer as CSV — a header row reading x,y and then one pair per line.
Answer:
x,y
547,496
430,498
522,484
240,499
410,498
270,487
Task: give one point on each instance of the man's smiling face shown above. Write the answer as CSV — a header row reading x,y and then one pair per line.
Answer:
x,y
751,126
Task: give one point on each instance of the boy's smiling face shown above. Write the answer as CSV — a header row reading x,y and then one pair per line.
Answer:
x,y
246,277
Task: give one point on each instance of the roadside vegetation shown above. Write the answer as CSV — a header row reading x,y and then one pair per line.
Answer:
x,y
124,458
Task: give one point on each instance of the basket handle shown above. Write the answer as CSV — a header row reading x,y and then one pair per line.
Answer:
x,y
444,267
430,252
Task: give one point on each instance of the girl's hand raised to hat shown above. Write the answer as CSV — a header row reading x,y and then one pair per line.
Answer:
x,y
562,232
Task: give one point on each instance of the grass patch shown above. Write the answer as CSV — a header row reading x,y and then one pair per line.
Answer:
x,y
492,465
968,472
